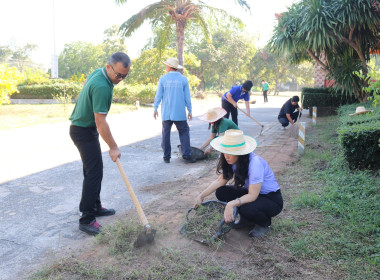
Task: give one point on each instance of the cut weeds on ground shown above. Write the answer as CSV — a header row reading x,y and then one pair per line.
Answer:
x,y
329,229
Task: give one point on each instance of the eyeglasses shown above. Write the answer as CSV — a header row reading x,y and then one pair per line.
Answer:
x,y
118,75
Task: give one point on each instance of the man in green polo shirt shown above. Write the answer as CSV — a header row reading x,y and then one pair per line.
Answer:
x,y
88,120
265,87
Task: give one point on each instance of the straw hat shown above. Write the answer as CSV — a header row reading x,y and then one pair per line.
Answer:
x,y
173,62
360,110
233,142
213,115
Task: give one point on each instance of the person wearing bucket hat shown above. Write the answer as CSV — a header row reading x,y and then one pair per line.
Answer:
x,y
174,93
219,125
231,97
255,192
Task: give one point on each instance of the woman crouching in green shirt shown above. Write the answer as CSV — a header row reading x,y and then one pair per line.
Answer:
x,y
219,125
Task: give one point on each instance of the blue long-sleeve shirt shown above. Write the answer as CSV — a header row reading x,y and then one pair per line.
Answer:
x,y
173,90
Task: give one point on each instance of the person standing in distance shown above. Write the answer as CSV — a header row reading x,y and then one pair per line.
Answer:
x,y
231,97
287,113
265,87
173,90
88,120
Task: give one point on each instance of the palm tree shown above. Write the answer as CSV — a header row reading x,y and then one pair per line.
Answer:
x,y
345,31
174,12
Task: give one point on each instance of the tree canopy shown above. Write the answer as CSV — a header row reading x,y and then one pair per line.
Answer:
x,y
174,14
342,31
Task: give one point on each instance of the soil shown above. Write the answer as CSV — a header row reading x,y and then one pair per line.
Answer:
x,y
248,258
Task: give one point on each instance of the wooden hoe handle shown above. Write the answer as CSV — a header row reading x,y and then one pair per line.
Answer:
x,y
250,116
140,211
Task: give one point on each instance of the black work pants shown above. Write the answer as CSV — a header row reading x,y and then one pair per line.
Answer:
x,y
259,211
86,139
230,109
265,93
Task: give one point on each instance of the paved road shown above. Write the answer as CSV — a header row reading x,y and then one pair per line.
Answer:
x,y
40,180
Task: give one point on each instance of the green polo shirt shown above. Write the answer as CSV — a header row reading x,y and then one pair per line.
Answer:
x,y
224,125
95,97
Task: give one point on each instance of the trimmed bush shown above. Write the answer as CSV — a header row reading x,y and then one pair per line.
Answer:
x,y
46,91
359,137
322,97
132,93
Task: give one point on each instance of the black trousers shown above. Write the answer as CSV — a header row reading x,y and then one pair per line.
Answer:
x,y
265,93
284,120
259,211
86,139
230,109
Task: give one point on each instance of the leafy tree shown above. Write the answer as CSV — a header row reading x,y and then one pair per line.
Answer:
x,y
277,70
227,59
21,55
173,14
80,58
9,78
112,42
148,67
344,31
5,53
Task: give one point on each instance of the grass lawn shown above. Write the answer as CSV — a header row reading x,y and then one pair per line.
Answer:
x,y
22,115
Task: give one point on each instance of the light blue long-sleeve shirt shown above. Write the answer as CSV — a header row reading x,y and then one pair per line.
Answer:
x,y
173,90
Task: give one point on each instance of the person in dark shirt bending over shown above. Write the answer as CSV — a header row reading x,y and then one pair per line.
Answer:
x,y
287,113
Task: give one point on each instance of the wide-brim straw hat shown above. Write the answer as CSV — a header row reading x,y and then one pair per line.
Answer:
x,y
213,115
360,110
173,62
234,142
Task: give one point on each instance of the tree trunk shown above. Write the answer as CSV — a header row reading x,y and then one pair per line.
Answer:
x,y
180,27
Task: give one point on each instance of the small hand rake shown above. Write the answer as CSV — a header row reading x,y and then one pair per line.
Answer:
x,y
198,227
147,236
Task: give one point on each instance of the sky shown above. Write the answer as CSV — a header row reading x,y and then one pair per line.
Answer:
x,y
37,22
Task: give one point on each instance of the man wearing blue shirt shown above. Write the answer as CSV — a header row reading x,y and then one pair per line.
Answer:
x,y
231,97
173,90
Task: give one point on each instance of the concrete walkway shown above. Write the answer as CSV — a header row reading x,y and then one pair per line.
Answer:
x,y
40,182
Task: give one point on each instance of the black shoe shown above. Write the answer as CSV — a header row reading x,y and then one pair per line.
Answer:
x,y
105,212
258,231
92,228
167,160
242,223
189,160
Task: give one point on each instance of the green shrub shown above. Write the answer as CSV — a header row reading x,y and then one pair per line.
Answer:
x,y
360,143
132,93
47,91
322,97
359,136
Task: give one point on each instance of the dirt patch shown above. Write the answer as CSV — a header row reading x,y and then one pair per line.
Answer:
x,y
174,256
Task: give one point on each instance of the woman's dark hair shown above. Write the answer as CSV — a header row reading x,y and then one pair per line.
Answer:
x,y
248,85
241,171
216,125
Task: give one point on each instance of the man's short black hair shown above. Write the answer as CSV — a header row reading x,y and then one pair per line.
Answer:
x,y
248,85
263,80
120,57
295,98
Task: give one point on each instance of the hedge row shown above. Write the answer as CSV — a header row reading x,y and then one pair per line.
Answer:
x,y
46,91
131,93
322,97
123,93
359,136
